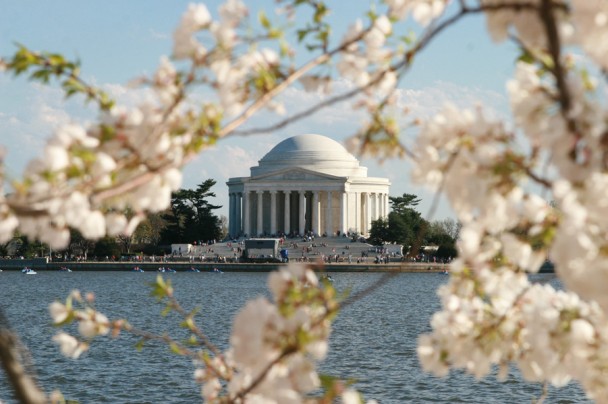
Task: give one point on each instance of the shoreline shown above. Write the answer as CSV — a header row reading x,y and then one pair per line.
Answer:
x,y
41,265
405,267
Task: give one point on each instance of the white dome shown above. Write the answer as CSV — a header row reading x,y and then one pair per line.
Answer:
x,y
313,152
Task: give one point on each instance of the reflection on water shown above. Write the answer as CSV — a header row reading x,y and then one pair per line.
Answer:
x,y
373,341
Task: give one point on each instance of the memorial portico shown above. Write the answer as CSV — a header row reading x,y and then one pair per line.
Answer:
x,y
307,183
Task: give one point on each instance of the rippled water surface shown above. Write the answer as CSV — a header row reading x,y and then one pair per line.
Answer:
x,y
373,340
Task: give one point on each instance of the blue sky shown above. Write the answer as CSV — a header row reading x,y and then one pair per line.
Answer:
x,y
120,40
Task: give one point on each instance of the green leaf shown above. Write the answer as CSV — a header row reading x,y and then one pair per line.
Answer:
x,y
328,381
264,20
175,348
107,133
56,59
302,34
526,57
187,323
159,288
42,75
105,102
320,12
166,311
72,86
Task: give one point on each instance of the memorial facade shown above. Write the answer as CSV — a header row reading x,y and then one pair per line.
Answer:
x,y
307,183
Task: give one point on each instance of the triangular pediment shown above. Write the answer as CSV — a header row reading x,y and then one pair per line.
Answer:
x,y
295,174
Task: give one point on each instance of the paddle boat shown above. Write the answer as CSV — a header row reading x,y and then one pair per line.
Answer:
x,y
65,269
28,271
163,269
138,269
192,269
327,278
217,271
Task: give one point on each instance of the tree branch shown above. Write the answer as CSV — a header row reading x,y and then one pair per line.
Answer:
x,y
24,386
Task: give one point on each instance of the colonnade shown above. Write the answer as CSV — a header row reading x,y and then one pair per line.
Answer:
x,y
330,212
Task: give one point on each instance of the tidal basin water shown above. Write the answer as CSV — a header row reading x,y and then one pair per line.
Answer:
x,y
373,341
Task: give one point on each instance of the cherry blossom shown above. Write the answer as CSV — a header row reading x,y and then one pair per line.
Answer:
x,y
527,188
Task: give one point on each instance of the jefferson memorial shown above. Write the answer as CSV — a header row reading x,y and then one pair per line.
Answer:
x,y
307,183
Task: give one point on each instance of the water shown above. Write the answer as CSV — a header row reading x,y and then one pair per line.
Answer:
x,y
373,341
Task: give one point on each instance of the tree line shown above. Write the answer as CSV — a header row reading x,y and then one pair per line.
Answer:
x,y
405,225
190,218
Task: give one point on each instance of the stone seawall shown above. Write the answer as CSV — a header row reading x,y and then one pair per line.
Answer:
x,y
41,265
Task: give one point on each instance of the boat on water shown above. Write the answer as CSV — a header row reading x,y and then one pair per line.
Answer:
x,y
327,278
138,269
192,269
217,271
28,271
65,269
163,269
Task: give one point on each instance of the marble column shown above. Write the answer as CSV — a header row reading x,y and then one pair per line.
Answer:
x,y
377,206
260,225
329,227
239,213
343,214
358,226
246,214
386,205
315,213
233,222
273,212
230,213
367,224
287,226
302,212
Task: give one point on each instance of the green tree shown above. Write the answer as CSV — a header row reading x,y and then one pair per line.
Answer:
x,y
438,234
150,230
405,223
398,230
446,251
379,232
32,249
404,203
191,215
125,241
4,248
443,233
79,244
107,247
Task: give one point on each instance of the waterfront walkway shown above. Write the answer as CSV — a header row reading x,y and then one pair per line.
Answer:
x,y
333,254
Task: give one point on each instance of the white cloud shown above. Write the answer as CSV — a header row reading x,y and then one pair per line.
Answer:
x,y
159,35
426,101
127,95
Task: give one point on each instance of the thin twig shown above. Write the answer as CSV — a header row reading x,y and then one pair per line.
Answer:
x,y
196,330
241,394
369,290
548,19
